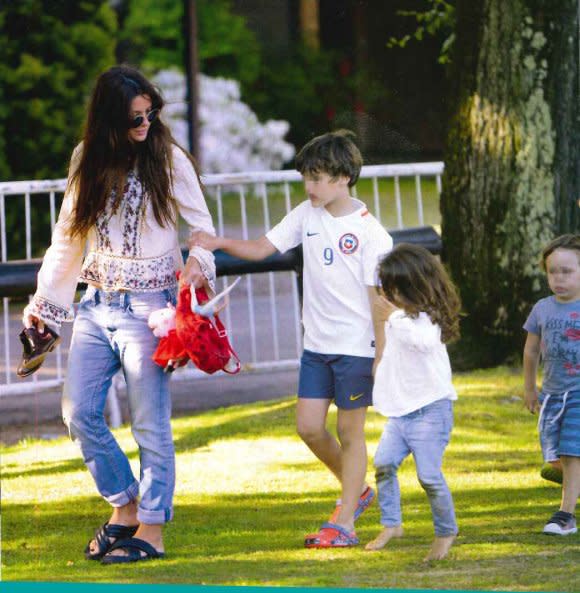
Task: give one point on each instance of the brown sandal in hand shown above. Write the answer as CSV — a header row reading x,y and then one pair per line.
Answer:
x,y
35,347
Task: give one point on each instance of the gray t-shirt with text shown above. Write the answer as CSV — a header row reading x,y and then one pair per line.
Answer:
x,y
558,325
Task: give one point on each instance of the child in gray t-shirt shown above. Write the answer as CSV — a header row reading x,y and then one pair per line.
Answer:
x,y
553,329
558,325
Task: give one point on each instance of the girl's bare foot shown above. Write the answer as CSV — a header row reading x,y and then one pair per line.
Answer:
x,y
440,548
384,537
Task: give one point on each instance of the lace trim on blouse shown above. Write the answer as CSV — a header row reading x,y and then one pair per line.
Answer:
x,y
48,312
112,272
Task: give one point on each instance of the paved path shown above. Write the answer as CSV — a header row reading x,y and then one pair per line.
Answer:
x,y
38,415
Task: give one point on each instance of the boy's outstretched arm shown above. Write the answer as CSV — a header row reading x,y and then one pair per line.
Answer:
x,y
251,249
531,360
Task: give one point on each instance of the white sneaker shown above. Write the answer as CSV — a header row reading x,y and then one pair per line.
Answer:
x,y
561,523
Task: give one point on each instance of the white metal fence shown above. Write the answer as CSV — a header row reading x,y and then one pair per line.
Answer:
x,y
263,318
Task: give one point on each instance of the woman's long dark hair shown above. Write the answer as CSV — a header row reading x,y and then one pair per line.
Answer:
x,y
416,281
108,154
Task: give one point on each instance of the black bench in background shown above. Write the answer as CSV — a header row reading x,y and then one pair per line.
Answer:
x,y
18,278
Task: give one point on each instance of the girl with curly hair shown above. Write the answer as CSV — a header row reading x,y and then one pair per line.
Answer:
x,y
413,387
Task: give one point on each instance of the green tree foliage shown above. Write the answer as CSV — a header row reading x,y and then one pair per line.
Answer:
x,y
296,88
302,86
52,51
154,35
311,90
438,17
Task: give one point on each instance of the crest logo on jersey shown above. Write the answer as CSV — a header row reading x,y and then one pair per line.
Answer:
x,y
348,243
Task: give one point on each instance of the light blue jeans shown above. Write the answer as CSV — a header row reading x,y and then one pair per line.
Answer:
x,y
424,433
559,424
110,332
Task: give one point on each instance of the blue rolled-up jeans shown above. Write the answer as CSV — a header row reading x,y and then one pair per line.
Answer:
x,y
111,333
424,433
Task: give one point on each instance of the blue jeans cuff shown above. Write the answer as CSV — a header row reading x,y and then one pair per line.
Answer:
x,y
154,517
446,533
125,497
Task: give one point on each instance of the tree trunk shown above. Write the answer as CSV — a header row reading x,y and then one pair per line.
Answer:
x,y
309,25
504,165
561,24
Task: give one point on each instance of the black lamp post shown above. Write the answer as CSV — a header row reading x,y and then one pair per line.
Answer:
x,y
191,72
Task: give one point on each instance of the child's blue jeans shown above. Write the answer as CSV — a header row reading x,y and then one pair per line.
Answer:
x,y
424,433
110,332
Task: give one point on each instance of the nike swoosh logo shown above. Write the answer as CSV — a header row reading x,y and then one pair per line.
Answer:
x,y
353,398
308,234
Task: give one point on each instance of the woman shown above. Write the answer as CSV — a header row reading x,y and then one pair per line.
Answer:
x,y
127,183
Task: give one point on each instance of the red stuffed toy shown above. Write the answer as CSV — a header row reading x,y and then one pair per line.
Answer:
x,y
203,340
170,353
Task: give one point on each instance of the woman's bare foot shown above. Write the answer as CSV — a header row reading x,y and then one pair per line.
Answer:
x,y
386,535
440,548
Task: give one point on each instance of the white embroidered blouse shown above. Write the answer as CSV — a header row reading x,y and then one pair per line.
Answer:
x,y
125,250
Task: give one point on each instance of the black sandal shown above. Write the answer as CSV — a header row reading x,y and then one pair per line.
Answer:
x,y
103,536
133,546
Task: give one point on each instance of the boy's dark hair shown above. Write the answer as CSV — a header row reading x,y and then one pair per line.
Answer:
x,y
418,282
568,241
334,153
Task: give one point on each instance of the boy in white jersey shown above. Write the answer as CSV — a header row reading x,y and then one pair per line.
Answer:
x,y
342,244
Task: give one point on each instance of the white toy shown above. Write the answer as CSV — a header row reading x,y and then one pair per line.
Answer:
x,y
162,321
210,307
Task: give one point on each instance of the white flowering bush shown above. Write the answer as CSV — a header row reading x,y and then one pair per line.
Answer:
x,y
231,136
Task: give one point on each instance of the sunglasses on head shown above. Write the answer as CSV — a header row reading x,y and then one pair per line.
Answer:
x,y
139,119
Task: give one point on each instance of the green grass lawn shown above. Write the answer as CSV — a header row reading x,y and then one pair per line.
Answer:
x,y
248,490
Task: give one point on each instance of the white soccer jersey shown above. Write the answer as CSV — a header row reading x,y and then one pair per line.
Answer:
x,y
340,261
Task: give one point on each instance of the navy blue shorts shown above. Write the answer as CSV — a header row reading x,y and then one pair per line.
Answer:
x,y
348,380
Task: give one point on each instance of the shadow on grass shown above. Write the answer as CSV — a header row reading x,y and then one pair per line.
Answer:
x,y
43,468
506,461
273,417
253,539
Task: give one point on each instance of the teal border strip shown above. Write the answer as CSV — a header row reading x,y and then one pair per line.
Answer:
x,y
44,587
